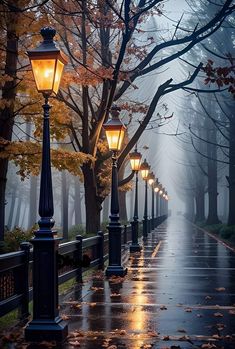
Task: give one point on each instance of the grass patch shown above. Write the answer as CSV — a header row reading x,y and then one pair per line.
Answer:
x,y
12,318
223,231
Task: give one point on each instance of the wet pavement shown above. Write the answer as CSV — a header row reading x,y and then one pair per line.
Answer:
x,y
179,293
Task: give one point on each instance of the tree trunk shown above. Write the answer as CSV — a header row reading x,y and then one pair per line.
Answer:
x,y
12,208
93,203
32,218
212,176
77,201
32,214
231,178
7,114
18,210
65,205
200,205
189,208
122,206
23,217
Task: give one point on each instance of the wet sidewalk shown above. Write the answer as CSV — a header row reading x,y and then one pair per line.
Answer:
x,y
179,293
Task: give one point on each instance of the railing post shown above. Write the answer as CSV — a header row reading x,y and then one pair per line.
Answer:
x,y
24,310
79,249
125,234
101,249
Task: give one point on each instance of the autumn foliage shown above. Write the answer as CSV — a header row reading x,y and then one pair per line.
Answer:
x,y
223,77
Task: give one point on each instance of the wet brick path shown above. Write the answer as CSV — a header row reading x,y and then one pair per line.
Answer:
x,y
179,293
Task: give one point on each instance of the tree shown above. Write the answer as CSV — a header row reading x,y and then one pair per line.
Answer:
x,y
107,63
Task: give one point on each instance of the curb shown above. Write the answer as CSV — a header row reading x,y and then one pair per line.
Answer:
x,y
216,238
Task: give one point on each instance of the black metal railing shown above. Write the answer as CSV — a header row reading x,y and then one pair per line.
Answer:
x,y
74,258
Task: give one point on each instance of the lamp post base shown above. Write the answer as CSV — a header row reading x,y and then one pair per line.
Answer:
x,y
115,271
40,330
135,248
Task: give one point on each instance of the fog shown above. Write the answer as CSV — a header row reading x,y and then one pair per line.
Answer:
x,y
165,143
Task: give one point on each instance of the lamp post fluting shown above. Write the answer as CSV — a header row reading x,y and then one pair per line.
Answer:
x,y
47,63
144,168
135,159
115,131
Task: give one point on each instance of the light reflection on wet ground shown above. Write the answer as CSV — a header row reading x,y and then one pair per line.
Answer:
x,y
179,290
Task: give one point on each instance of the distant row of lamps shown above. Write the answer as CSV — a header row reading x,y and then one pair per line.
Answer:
x,y
47,62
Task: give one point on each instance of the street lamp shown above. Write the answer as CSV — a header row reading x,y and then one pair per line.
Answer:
x,y
115,131
167,198
47,63
135,159
151,178
144,168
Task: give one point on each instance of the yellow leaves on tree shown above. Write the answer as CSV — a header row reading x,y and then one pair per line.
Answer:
x,y
70,160
27,156
126,187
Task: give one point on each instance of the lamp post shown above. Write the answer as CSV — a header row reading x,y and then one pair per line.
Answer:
x,y
135,159
160,200
115,131
151,178
47,63
156,190
144,168
166,197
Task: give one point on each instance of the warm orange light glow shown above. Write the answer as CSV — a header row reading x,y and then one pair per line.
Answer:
x,y
156,189
135,159
58,75
115,138
160,192
47,74
151,181
144,168
144,173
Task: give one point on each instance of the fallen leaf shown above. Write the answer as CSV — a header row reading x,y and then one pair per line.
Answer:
x,y
208,297
106,343
112,347
208,346
75,344
166,338
65,317
92,304
181,330
184,338
216,336
96,288
218,315
199,315
220,289
188,310
232,312
163,307
122,332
